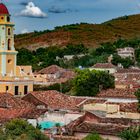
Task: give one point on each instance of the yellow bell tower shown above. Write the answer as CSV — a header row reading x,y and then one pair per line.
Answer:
x,y
17,80
7,51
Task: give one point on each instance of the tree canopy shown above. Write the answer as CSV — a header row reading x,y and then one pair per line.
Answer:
x,y
89,83
93,136
19,129
126,62
137,93
131,133
43,57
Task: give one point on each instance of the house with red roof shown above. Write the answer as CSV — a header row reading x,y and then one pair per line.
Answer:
x,y
127,78
108,67
53,74
53,100
126,52
93,121
11,108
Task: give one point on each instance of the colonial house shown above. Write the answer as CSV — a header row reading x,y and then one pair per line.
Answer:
x,y
127,78
17,80
53,74
126,52
53,100
108,67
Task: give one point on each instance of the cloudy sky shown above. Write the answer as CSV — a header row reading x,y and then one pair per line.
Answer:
x,y
30,15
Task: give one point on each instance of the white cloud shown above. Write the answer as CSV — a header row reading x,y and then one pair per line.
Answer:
x,y
31,10
24,31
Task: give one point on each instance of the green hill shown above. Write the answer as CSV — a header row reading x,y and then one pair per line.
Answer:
x,y
91,35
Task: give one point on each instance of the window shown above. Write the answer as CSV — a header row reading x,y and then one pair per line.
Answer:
x,y
16,90
7,88
2,18
8,19
9,44
41,107
9,31
9,61
25,90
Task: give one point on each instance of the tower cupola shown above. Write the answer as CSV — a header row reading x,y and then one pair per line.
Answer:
x,y
3,9
4,13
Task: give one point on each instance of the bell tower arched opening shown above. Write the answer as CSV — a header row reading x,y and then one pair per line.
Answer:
x,y
9,44
9,31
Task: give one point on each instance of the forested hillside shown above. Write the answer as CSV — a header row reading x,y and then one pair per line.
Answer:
x,y
91,35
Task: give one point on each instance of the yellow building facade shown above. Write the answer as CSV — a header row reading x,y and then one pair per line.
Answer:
x,y
17,80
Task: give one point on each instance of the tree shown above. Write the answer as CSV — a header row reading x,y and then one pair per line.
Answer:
x,y
61,87
106,48
126,62
131,134
137,93
89,83
93,136
137,55
19,129
75,49
2,135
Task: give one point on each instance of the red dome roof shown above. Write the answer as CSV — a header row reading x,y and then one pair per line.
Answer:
x,y
3,9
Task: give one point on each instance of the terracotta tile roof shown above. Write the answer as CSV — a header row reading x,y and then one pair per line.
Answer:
x,y
7,100
11,107
108,126
7,114
118,93
62,75
56,100
131,80
104,65
101,128
128,84
127,76
68,74
131,70
51,70
127,107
